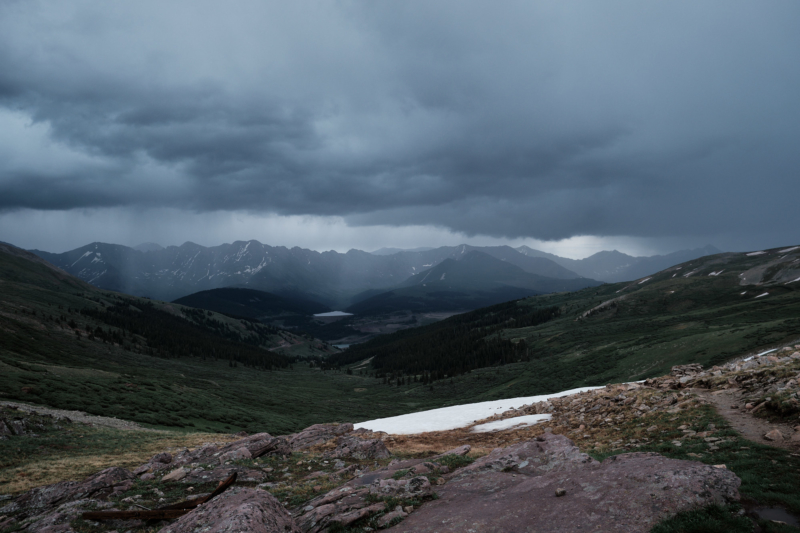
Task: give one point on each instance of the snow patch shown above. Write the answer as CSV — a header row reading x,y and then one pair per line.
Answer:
x,y
760,295
754,253
793,281
334,313
457,416
787,250
440,279
716,273
81,257
760,354
519,421
645,279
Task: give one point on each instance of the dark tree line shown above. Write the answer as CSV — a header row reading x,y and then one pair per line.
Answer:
x,y
166,335
451,347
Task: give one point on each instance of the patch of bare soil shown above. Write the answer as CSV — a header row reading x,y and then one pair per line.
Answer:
x,y
79,416
729,404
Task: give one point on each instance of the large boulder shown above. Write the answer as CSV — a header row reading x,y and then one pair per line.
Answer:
x,y
517,489
238,510
317,434
357,448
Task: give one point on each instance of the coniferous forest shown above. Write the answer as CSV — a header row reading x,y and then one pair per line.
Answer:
x,y
451,347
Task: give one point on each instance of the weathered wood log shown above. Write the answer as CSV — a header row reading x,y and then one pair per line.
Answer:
x,y
176,510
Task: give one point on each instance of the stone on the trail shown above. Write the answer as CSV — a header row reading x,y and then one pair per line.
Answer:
x,y
238,509
560,492
176,475
774,435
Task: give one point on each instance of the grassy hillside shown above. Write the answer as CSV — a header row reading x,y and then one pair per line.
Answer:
x,y
704,311
66,344
609,333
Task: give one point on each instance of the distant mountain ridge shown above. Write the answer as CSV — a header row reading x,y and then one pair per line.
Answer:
x,y
329,277
475,280
613,266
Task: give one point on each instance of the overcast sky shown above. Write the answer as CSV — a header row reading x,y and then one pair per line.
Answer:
x,y
569,126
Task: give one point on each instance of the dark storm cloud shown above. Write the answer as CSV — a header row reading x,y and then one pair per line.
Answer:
x,y
517,119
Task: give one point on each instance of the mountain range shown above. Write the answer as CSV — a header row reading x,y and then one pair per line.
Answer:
x,y
331,278
614,266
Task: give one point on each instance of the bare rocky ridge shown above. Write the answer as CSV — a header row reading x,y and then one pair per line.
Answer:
x,y
569,491
346,478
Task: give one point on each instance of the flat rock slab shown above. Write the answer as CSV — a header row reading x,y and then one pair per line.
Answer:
x,y
238,510
514,490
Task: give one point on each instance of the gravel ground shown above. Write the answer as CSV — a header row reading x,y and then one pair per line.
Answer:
x,y
749,426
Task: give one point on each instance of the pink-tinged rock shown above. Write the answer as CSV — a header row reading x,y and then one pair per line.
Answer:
x,y
238,510
795,437
348,518
143,469
317,434
514,489
269,446
221,473
774,435
352,446
149,476
238,454
163,457
417,487
98,486
388,517
176,475
461,451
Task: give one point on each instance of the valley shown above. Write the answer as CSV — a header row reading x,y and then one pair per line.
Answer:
x,y
180,377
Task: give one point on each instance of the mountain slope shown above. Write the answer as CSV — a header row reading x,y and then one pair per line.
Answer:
x,y
329,277
69,345
475,280
250,303
616,266
704,311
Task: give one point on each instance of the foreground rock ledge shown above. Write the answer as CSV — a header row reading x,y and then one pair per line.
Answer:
x,y
545,484
513,489
239,510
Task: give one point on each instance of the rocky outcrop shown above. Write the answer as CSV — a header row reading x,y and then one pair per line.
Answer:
x,y
51,508
182,466
98,487
365,496
238,510
316,435
357,448
514,489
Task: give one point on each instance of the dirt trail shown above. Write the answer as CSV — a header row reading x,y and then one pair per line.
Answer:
x,y
751,427
79,416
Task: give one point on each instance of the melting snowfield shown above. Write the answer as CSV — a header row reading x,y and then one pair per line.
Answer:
x,y
516,422
459,416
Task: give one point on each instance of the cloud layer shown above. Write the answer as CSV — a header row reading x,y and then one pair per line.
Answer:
x,y
516,120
